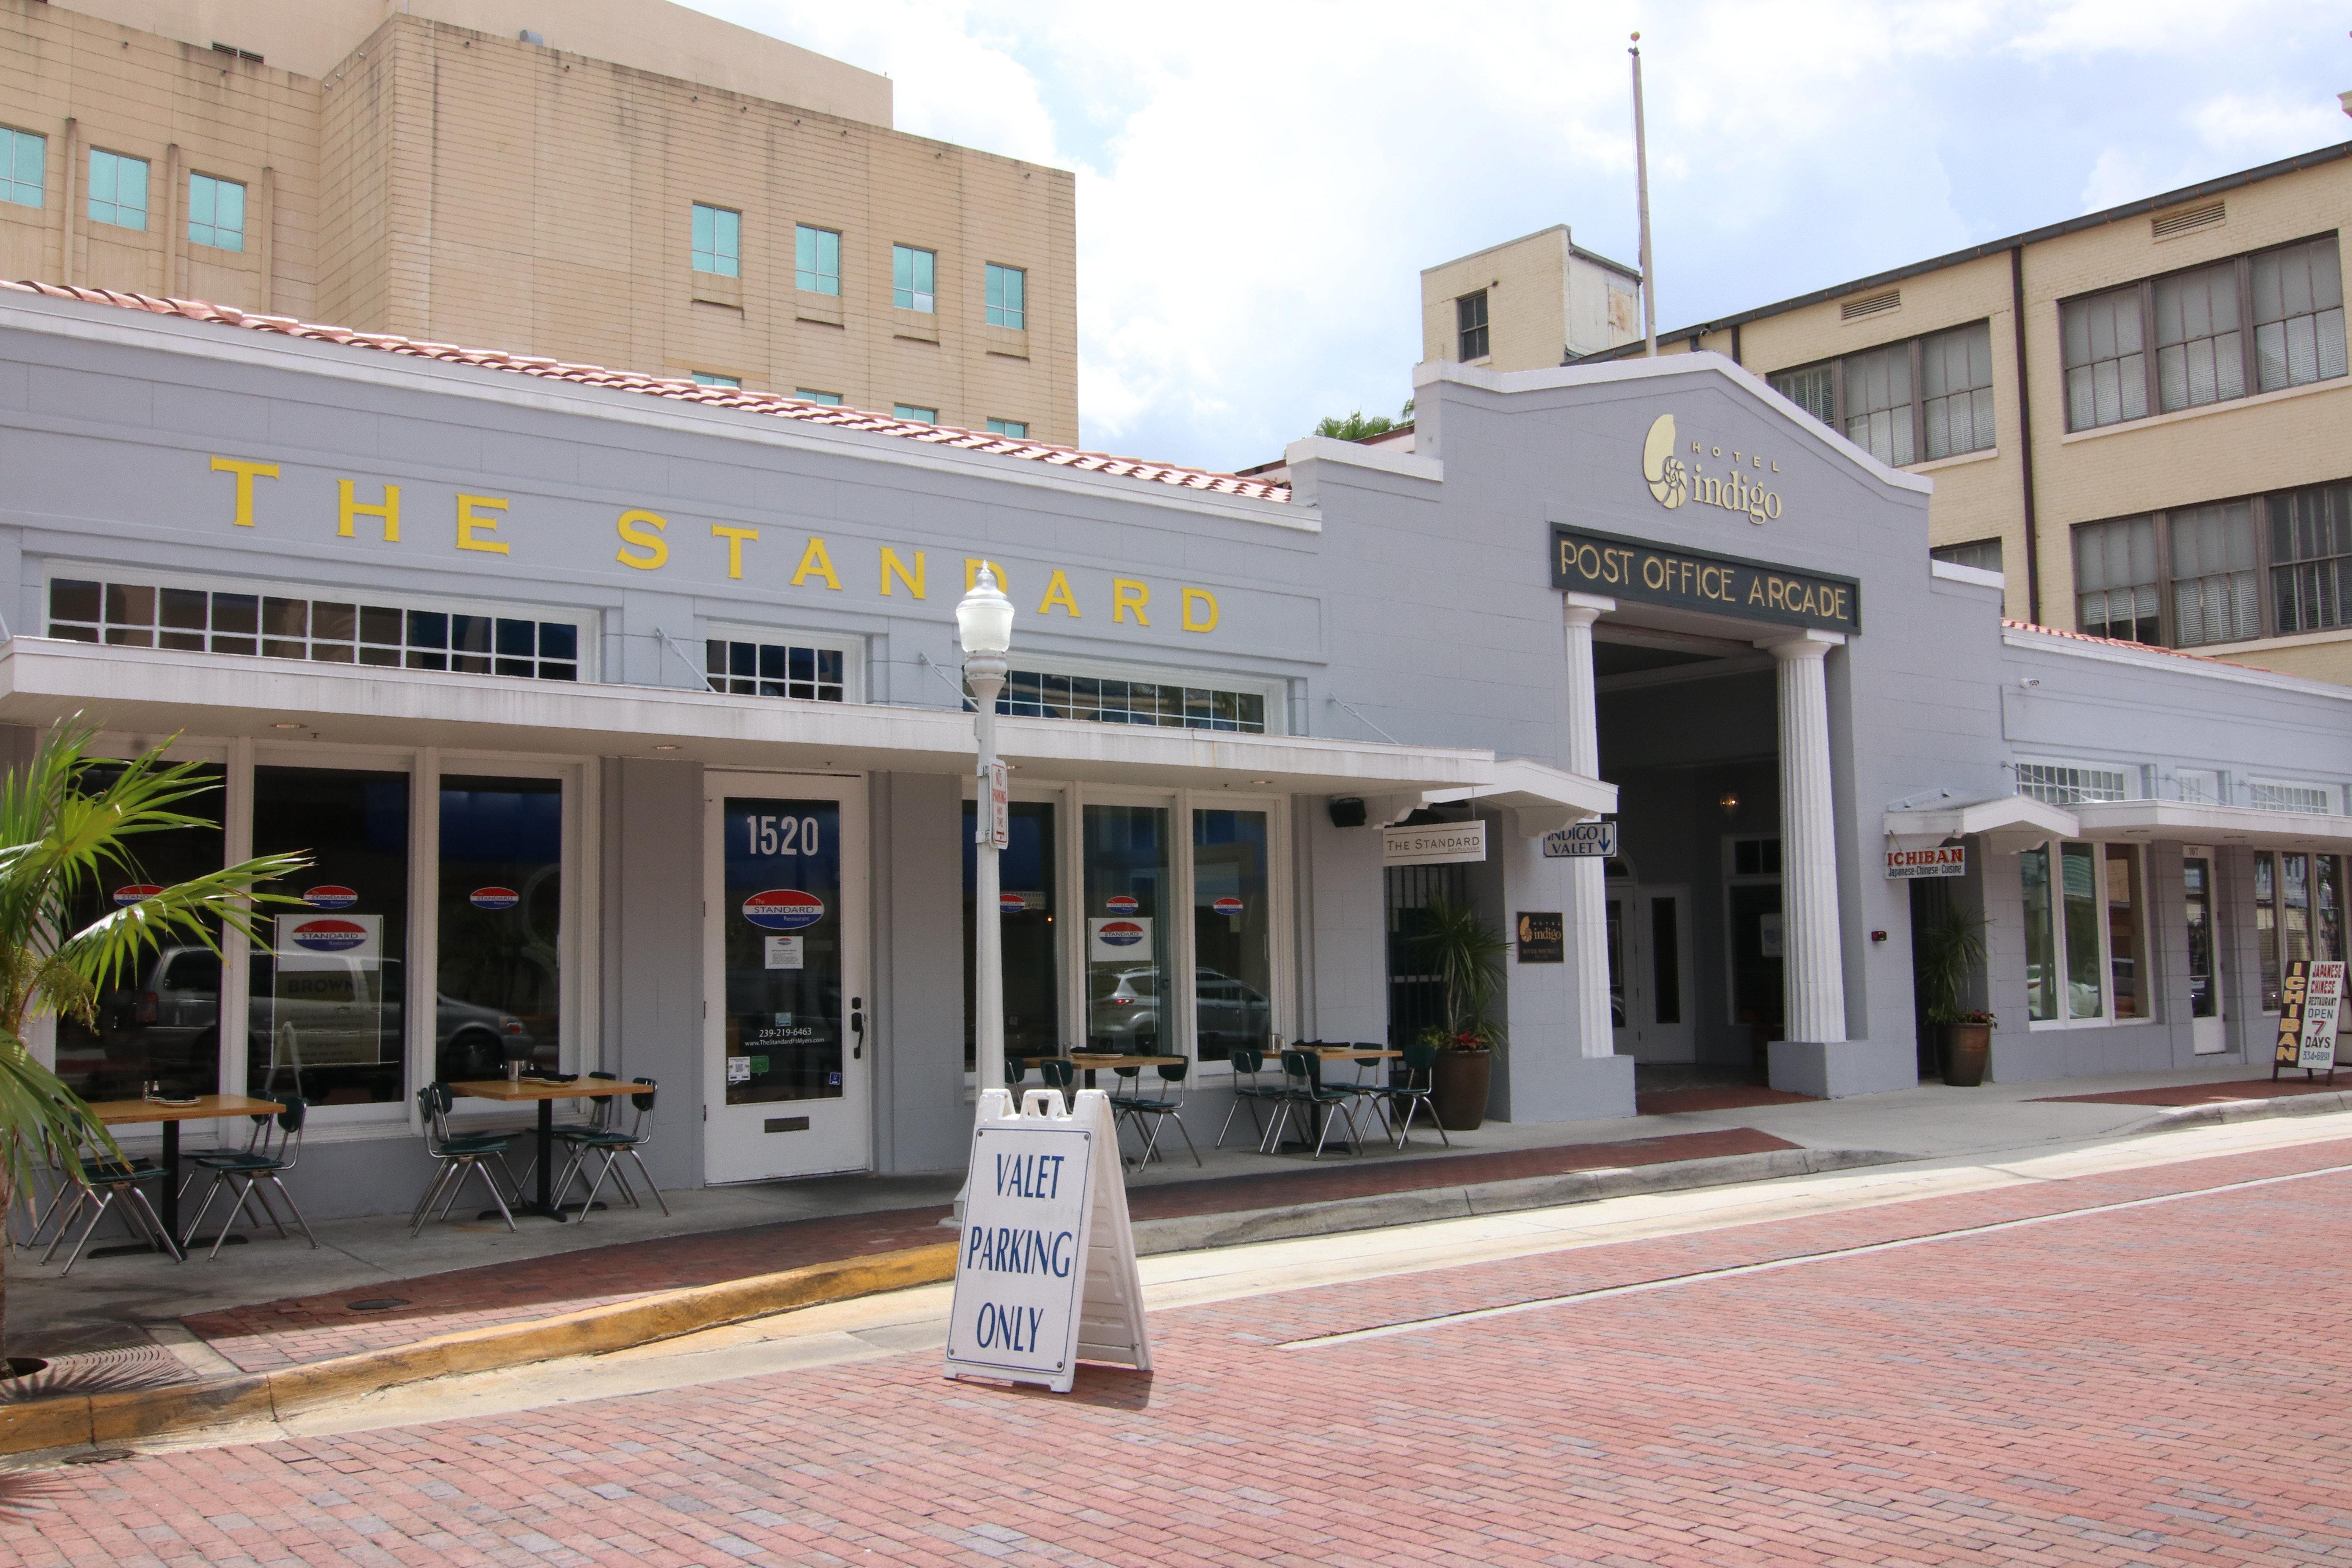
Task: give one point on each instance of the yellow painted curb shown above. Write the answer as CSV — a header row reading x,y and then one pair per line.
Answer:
x,y
122,1417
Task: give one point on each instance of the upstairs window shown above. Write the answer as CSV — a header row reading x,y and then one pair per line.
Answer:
x,y
118,190
2116,580
911,286
215,213
816,260
2298,314
1956,389
2214,577
704,378
718,241
2227,572
809,394
919,416
1016,428
1909,402
2106,361
2311,558
2201,355
755,669
1877,397
24,157
2065,784
1984,554
1811,388
1008,298
1470,327
1040,694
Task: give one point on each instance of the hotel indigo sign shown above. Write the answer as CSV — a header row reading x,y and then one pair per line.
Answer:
x,y
1584,562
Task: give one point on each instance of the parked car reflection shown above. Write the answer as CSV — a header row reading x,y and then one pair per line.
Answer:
x,y
1124,1012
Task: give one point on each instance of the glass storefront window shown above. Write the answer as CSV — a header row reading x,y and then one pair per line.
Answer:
x,y
2041,937
2327,932
2197,879
2294,908
159,1020
1233,935
1025,880
325,1017
784,950
1126,855
2078,888
2127,960
500,926
2266,929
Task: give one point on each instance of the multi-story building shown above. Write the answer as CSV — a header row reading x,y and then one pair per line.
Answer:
x,y
2140,419
636,186
1525,304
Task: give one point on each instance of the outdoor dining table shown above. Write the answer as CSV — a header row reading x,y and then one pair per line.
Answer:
x,y
204,1108
1360,1055
546,1093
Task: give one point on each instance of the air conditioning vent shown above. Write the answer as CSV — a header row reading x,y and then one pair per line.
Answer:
x,y
2186,218
1870,305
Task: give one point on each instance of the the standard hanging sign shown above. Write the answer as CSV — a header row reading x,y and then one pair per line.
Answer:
x,y
1909,865
1433,846
2310,1000
1046,1272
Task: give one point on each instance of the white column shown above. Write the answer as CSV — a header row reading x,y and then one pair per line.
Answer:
x,y
1814,959
1588,910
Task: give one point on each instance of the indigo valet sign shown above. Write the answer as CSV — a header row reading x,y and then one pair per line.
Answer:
x,y
1640,572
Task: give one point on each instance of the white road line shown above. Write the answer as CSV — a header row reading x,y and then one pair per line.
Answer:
x,y
1419,1325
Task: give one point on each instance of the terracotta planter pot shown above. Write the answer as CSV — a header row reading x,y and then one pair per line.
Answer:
x,y
1967,1048
1460,1083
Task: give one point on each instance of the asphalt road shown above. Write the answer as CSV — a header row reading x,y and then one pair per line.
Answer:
x,y
2110,1356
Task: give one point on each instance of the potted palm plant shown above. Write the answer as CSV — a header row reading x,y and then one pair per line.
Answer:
x,y
1950,949
1466,950
66,822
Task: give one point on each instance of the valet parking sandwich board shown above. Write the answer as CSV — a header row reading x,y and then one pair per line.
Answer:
x,y
1045,1269
2310,998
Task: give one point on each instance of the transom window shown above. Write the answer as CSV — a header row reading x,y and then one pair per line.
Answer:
x,y
2259,322
1035,694
215,213
270,626
718,241
2085,936
1470,326
24,157
2065,784
118,190
1913,401
2196,575
2286,794
1008,298
816,260
775,670
911,275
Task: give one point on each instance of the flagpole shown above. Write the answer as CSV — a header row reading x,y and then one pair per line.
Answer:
x,y
1641,185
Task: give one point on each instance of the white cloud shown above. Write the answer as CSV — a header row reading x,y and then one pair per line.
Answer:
x,y
1260,184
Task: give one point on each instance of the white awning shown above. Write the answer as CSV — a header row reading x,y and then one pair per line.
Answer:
x,y
1545,799
2147,820
2008,822
151,694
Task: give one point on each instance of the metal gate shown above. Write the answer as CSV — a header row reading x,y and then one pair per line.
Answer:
x,y
1416,995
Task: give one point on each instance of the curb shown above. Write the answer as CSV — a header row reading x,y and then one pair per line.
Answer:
x,y
100,1420
2230,1111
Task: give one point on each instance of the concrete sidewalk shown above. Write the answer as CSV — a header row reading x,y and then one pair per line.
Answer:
x,y
273,1303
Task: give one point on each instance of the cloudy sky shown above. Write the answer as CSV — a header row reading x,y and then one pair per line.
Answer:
x,y
1260,184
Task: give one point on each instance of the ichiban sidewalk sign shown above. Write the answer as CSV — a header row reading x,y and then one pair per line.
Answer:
x,y
1045,1270
2310,998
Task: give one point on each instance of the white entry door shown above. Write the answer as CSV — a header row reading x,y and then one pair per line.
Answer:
x,y
1649,973
2208,1033
784,969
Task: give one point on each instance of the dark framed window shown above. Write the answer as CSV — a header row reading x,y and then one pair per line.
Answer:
x,y
2231,571
1037,694
775,670
1470,326
2263,321
1984,554
1909,402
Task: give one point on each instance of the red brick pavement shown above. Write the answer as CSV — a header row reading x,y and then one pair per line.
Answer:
x,y
2205,1093
271,1334
2154,1385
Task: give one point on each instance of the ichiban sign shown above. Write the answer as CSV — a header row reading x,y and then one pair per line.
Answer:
x,y
1905,865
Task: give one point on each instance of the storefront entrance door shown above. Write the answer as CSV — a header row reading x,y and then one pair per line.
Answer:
x,y
785,1049
1649,973
2208,1033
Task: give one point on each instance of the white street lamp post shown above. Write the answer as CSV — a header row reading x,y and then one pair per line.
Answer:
x,y
984,628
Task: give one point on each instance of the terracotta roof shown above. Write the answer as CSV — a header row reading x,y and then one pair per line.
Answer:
x,y
685,392
2121,642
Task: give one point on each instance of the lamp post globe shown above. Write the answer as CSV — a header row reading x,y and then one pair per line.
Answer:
x,y
984,617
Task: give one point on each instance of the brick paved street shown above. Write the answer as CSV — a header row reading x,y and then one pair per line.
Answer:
x,y
2161,1383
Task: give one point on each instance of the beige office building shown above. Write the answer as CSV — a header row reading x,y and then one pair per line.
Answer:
x,y
621,182
2139,418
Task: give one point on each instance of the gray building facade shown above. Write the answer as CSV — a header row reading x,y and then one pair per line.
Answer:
x,y
623,722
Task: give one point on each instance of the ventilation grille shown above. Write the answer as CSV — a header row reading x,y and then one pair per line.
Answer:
x,y
2187,218
1870,305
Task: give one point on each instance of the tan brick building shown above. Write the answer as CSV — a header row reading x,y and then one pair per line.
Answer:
x,y
1520,304
639,186
2140,419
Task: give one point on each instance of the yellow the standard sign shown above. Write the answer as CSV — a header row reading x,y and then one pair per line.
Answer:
x,y
1585,562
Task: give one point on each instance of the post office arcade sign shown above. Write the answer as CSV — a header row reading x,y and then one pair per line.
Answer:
x,y
1586,561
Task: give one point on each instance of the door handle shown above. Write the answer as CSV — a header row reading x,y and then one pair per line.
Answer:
x,y
858,1027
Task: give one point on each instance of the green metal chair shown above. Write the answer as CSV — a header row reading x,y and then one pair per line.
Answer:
x,y
610,1144
460,1157
99,1180
1062,1074
1248,1061
1136,1108
1413,1091
1302,1086
277,1145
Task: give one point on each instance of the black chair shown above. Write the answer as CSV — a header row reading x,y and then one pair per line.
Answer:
x,y
1135,1107
1062,1074
460,1157
1248,1062
610,1144
1412,1089
1302,1086
277,1145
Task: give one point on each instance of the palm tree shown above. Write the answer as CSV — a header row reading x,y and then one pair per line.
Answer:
x,y
1467,953
67,821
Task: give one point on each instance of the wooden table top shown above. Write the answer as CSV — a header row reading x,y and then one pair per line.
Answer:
x,y
124,1112
1094,1059
535,1088
1345,1053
